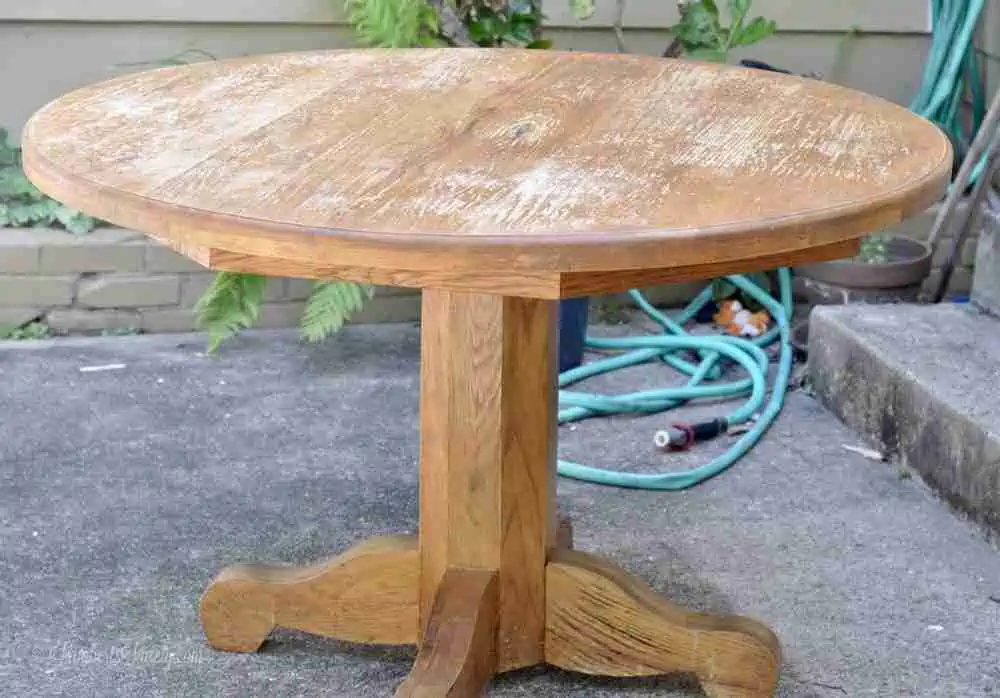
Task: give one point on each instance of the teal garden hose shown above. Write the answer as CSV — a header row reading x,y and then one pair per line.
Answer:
x,y
951,71
705,380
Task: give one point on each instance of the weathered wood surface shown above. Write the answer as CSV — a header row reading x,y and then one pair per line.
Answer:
x,y
486,161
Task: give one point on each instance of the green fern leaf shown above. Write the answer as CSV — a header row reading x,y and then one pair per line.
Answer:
x,y
230,305
329,307
391,23
74,221
14,185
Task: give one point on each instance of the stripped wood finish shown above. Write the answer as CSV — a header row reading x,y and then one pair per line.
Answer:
x,y
487,486
551,285
498,181
457,658
468,162
367,594
600,620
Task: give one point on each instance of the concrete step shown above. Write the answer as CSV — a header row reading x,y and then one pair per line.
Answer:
x,y
922,382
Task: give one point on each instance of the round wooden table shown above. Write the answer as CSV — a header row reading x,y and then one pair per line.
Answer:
x,y
498,181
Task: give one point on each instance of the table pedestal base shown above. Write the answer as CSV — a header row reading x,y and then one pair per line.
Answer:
x,y
492,585
598,620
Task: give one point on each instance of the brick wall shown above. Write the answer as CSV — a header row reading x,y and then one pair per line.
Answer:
x,y
119,279
919,228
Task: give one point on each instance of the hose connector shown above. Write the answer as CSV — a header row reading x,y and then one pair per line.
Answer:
x,y
682,436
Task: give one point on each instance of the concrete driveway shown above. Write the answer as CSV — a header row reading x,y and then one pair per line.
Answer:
x,y
123,491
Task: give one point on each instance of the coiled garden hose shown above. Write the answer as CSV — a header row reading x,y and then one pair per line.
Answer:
x,y
952,70
705,380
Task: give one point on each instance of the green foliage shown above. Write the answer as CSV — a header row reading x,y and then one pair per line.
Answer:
x,y
515,24
233,301
394,23
409,23
329,307
33,330
230,305
702,35
874,249
581,9
23,205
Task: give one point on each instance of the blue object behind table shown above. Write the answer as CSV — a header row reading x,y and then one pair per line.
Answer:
x,y
572,331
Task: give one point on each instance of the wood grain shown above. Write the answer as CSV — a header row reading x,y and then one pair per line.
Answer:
x,y
576,284
488,402
368,594
458,654
498,180
600,620
548,285
487,160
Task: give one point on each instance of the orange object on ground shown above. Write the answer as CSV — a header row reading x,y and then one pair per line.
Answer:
x,y
740,322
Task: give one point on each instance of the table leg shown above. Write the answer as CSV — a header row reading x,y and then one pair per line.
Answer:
x,y
601,620
493,584
368,594
487,472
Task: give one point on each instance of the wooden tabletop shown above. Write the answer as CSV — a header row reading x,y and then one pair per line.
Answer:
x,y
540,161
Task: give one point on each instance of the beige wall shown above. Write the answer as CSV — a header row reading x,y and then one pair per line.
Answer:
x,y
793,15
52,46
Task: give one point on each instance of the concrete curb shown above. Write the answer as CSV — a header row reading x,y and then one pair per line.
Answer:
x,y
918,381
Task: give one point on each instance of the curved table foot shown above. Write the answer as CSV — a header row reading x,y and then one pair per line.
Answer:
x,y
600,620
368,594
458,654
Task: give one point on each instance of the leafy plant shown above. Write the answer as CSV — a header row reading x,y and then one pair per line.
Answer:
x,y
330,305
394,23
701,34
516,23
32,330
22,204
874,249
230,305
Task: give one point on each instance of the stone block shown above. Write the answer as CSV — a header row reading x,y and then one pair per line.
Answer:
x,y
129,291
19,252
986,277
915,380
83,320
388,309
15,317
161,259
960,282
274,315
36,291
386,291
193,286
298,289
968,258
91,253
167,320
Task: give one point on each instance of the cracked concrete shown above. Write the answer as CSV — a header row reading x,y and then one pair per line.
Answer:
x,y
123,491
